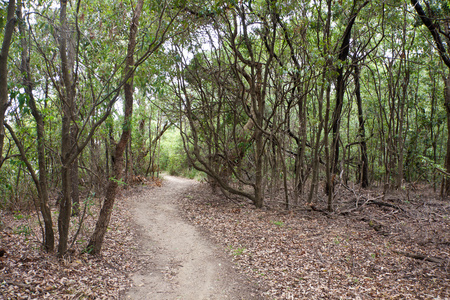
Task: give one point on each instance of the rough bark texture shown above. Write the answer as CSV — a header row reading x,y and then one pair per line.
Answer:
x,y
96,241
4,103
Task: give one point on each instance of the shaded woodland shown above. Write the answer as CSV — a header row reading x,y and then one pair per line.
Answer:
x,y
288,101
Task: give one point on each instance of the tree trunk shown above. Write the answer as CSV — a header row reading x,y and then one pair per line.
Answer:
x,y
402,100
259,148
67,103
364,177
340,88
442,48
328,162
96,240
49,237
316,146
446,181
4,103
152,146
75,193
433,28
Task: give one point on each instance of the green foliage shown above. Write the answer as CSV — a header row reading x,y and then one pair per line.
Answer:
x,y
199,63
120,182
278,223
173,158
337,240
237,251
23,229
18,215
5,191
431,165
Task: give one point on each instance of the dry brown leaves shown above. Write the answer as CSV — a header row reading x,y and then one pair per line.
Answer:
x,y
27,272
364,252
306,254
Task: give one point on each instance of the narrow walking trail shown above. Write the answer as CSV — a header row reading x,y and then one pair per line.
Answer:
x,y
182,263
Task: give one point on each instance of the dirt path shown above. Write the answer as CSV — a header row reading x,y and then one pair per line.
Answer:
x,y
182,264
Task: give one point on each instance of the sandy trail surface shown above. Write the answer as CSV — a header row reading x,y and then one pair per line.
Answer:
x,y
182,263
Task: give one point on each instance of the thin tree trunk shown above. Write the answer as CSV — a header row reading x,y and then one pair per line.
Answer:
x,y
402,99
259,165
67,103
402,102
259,139
446,181
330,179
362,132
340,88
49,237
96,240
329,187
7,37
316,147
75,193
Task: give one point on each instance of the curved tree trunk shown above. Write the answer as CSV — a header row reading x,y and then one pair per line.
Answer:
x,y
96,240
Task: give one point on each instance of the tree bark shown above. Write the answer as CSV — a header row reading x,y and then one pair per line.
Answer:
x,y
96,240
152,144
446,181
7,38
42,186
75,193
402,102
67,103
434,30
364,169
443,53
340,88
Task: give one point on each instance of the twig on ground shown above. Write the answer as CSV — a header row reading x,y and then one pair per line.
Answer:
x,y
418,256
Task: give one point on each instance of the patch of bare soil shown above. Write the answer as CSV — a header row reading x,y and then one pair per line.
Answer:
x,y
371,247
177,262
149,252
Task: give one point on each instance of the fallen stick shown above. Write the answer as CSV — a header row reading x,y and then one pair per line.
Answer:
x,y
380,203
433,259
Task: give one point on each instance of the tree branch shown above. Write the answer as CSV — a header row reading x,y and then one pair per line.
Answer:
x,y
434,30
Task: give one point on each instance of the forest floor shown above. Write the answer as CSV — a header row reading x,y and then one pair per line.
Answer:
x,y
178,262
395,246
170,240
149,252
